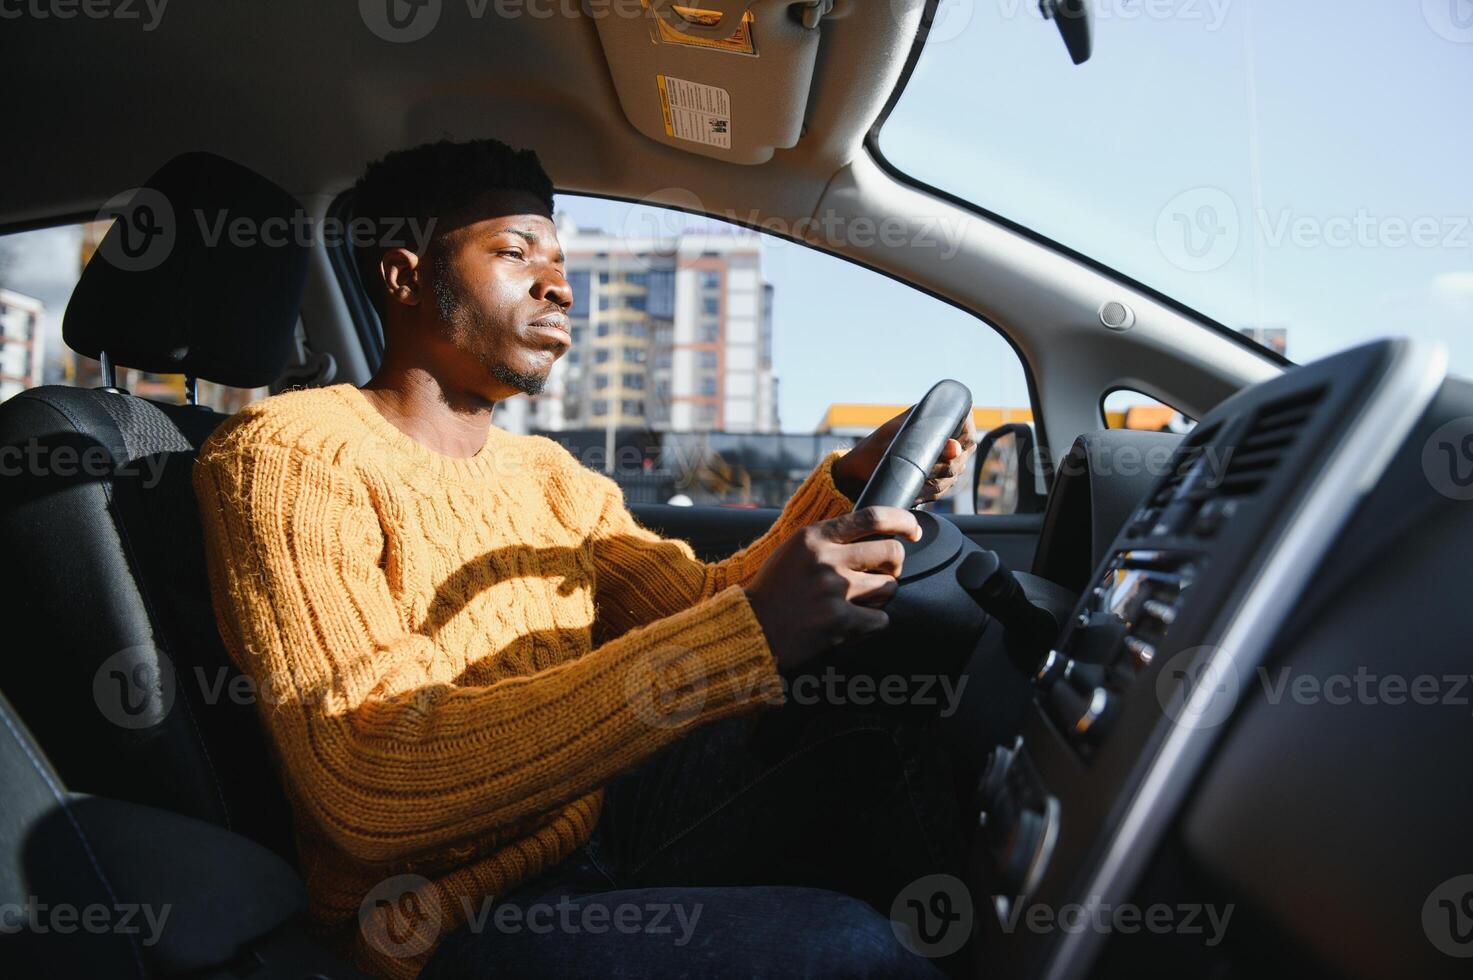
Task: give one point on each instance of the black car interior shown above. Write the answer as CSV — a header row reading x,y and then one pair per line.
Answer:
x,y
1126,751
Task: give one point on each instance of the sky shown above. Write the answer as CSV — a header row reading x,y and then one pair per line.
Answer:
x,y
1295,164
1300,165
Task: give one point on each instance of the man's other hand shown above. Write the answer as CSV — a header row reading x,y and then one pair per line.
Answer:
x,y
825,584
852,470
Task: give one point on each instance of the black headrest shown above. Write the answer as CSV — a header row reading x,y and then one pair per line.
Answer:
x,y
201,274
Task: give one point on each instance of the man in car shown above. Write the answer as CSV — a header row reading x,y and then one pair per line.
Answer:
x,y
498,702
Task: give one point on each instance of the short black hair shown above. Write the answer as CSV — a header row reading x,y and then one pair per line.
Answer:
x,y
434,180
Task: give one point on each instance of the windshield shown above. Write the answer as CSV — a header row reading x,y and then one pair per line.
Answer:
x,y
1295,171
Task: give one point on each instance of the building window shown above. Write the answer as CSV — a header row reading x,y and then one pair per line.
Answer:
x,y
710,280
605,301
634,355
706,360
578,284
633,381
709,305
710,332
601,356
664,357
631,406
635,302
602,330
638,329
708,384
705,414
660,300
600,382
600,406
573,358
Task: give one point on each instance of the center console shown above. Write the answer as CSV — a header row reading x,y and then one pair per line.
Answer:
x,y
1148,671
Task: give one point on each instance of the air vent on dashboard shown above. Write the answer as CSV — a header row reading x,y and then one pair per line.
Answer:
x,y
1181,464
1243,467
1216,469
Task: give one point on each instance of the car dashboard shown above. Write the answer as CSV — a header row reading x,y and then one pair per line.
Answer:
x,y
1121,796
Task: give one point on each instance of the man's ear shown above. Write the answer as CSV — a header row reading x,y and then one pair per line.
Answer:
x,y
400,269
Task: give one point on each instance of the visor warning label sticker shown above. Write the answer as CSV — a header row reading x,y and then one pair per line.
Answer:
x,y
695,112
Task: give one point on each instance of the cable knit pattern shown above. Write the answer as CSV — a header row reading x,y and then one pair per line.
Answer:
x,y
454,655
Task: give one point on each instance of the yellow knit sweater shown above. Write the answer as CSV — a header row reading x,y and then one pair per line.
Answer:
x,y
454,655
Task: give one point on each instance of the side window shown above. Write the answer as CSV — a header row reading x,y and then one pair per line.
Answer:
x,y
38,270
1127,409
743,358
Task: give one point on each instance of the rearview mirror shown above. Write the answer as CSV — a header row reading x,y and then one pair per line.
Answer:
x,y
1005,475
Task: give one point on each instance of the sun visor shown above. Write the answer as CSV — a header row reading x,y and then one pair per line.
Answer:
x,y
723,78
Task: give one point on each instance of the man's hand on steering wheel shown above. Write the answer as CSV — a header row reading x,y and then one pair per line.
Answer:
x,y
852,470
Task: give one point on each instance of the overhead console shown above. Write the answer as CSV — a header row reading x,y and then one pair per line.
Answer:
x,y
1187,600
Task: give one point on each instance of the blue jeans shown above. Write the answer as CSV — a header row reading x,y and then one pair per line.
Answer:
x,y
751,848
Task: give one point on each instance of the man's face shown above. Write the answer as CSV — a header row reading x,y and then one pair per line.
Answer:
x,y
498,295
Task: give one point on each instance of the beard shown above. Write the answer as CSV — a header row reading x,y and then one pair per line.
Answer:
x,y
527,384
470,335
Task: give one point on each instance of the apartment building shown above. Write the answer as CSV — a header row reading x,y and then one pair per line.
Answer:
x,y
672,334
22,342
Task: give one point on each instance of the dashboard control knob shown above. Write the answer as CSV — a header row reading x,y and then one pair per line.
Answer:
x,y
1097,639
1084,676
994,779
1164,612
1082,714
1052,668
1140,651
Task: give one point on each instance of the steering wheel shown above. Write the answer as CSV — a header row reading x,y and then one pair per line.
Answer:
x,y
901,472
948,581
